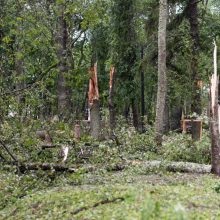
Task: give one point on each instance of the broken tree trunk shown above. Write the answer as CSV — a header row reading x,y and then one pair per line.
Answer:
x,y
94,103
110,101
214,118
149,166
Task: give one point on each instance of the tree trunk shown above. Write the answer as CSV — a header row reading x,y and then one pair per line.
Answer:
x,y
95,120
111,102
175,117
62,89
162,78
214,119
166,116
142,93
194,32
135,114
93,98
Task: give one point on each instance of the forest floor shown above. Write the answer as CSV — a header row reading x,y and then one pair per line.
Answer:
x,y
112,189
127,194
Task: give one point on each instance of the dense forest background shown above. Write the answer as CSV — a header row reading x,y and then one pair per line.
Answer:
x,y
48,47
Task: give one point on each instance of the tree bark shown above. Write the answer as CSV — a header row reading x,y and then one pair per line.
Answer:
x,y
93,98
142,93
162,78
194,32
62,88
95,120
214,119
135,114
111,102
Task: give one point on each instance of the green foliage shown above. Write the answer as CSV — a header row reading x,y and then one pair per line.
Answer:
x,y
180,147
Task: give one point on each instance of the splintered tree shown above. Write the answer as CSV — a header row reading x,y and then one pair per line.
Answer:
x,y
214,118
93,96
111,102
162,78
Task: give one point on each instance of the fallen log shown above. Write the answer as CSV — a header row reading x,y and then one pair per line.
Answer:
x,y
45,166
148,166
183,167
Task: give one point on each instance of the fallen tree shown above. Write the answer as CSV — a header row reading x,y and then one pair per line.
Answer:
x,y
148,166
183,167
45,166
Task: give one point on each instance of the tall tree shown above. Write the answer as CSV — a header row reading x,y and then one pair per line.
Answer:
x,y
162,77
62,38
125,57
193,16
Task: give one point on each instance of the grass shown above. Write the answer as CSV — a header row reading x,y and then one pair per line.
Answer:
x,y
145,196
134,193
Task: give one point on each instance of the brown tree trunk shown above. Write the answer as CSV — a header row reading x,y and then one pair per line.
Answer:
x,y
95,120
194,32
214,118
20,83
162,78
142,93
166,116
62,88
19,67
111,102
135,114
93,98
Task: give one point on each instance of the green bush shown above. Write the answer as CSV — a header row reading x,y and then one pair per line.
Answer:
x,y
180,147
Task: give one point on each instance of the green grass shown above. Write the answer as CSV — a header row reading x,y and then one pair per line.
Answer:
x,y
150,196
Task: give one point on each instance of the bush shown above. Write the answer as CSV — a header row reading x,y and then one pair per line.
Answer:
x,y
180,147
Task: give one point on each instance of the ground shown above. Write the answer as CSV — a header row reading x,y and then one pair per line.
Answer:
x,y
128,194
